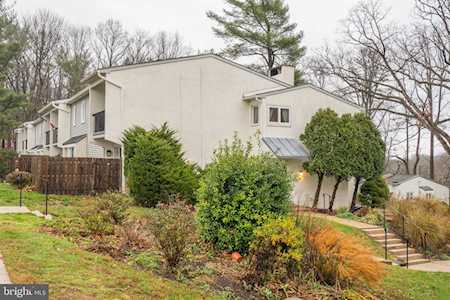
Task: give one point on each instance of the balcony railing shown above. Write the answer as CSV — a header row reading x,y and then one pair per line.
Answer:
x,y
47,137
99,122
55,135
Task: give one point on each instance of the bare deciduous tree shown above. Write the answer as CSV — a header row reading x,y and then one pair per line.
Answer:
x,y
110,43
166,45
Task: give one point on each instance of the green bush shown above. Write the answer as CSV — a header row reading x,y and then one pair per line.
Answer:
x,y
26,179
114,206
5,158
172,225
98,224
277,250
239,192
156,169
374,192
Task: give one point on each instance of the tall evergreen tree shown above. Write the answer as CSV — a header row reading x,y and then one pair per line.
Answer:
x,y
368,151
259,28
320,137
10,102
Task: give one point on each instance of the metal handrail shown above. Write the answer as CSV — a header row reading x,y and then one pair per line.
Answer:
x,y
404,236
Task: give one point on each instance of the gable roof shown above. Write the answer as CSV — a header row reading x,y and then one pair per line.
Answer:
x,y
272,92
397,180
186,58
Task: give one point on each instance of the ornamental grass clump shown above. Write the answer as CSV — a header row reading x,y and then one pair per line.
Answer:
x,y
427,224
341,260
276,250
239,192
338,259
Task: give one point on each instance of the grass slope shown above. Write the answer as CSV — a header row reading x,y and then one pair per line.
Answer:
x,y
35,257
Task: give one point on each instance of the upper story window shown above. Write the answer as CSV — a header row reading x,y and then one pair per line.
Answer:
x,y
255,114
83,111
74,115
279,115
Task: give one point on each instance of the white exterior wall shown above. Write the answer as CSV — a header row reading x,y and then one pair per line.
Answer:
x,y
401,191
303,103
200,98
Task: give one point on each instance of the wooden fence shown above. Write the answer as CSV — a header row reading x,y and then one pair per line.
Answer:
x,y
71,176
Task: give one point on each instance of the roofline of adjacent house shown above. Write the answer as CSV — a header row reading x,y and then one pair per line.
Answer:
x,y
83,92
268,93
52,105
410,178
180,59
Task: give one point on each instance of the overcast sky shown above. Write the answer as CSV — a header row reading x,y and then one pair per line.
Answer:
x,y
319,19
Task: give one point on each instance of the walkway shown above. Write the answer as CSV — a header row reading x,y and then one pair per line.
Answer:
x,y
14,210
434,266
4,278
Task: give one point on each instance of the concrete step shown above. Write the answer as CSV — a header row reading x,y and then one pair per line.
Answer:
x,y
411,256
369,229
391,241
380,236
417,261
402,251
375,231
395,246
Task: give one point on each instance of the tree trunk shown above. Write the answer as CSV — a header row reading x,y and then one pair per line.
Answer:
x,y
432,156
416,163
333,196
355,193
407,147
319,187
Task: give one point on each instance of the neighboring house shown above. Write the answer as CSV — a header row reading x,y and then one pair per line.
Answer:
x,y
45,135
411,186
207,99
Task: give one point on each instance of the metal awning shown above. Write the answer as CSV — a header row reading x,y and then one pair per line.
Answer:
x,y
74,140
426,188
286,148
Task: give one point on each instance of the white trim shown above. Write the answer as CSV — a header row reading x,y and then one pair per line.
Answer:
x,y
279,123
264,94
187,58
74,115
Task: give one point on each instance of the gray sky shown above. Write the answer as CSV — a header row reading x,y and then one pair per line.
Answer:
x,y
319,19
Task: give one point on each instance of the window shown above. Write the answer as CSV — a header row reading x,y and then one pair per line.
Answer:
x,y
72,152
255,114
83,111
273,114
74,114
428,196
409,195
279,116
284,115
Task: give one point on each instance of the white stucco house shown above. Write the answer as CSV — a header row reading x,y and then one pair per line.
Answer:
x,y
406,187
206,98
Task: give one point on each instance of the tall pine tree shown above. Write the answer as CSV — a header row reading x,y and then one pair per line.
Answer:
x,y
10,102
260,28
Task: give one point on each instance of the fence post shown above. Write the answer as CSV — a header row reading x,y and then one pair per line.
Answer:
x,y
407,253
46,197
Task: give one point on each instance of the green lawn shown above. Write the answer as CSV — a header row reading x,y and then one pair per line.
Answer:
x,y
36,257
33,256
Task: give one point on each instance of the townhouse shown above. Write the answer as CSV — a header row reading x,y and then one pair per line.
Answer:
x,y
206,98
